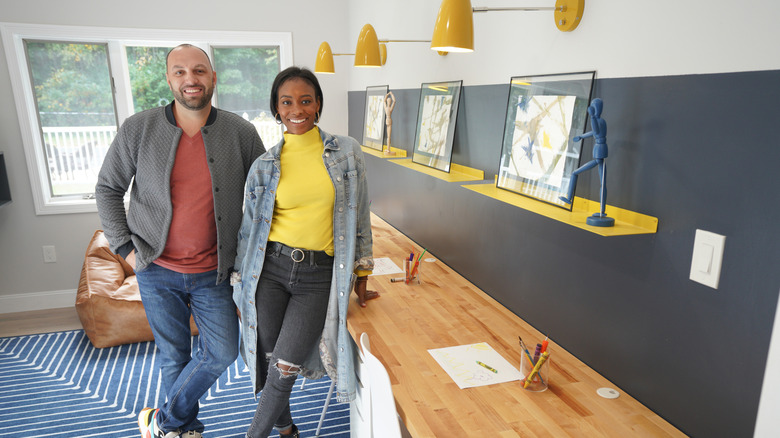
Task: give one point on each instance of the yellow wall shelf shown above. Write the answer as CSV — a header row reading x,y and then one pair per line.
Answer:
x,y
397,153
457,172
626,222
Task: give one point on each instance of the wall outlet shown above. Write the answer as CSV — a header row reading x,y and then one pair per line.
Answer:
x,y
49,254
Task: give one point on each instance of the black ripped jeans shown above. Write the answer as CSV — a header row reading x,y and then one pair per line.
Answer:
x,y
292,300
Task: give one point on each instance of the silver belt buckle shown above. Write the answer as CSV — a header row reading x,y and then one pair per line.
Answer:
x,y
302,255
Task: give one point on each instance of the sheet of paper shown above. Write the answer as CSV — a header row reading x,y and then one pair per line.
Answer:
x,y
475,365
385,266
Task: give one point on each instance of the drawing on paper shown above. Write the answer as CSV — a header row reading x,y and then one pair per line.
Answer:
x,y
475,365
435,121
374,117
540,138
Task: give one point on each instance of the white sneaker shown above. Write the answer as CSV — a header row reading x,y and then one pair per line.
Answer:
x,y
191,434
147,423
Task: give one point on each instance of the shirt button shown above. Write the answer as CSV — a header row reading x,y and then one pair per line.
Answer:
x,y
341,266
211,160
327,154
342,294
216,189
341,209
219,218
341,237
338,178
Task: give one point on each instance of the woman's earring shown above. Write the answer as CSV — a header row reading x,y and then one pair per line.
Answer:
x,y
317,118
278,119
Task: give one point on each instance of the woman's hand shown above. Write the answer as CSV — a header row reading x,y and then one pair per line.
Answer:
x,y
363,294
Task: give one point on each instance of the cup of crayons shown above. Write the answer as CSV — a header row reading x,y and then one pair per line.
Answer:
x,y
535,367
411,269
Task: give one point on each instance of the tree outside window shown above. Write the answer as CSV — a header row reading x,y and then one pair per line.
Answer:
x,y
146,67
244,79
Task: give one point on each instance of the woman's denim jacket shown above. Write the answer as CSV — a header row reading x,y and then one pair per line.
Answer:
x,y
352,250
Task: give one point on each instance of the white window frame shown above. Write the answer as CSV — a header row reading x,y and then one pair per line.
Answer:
x,y
14,34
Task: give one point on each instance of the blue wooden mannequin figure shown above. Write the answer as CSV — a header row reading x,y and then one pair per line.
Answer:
x,y
600,152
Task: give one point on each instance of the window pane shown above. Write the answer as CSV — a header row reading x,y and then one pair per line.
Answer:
x,y
148,86
244,79
75,105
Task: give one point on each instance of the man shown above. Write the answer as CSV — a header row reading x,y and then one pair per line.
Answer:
x,y
187,162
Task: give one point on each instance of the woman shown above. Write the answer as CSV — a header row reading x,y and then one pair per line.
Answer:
x,y
305,237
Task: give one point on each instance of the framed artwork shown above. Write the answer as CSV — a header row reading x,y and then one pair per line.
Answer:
x,y
543,115
374,123
436,117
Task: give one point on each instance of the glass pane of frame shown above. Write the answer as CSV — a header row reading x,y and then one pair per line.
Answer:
x,y
436,117
374,121
544,114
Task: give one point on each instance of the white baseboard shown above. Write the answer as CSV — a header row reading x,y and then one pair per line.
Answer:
x,y
37,301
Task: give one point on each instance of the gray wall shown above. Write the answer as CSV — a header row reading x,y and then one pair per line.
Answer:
x,y
695,151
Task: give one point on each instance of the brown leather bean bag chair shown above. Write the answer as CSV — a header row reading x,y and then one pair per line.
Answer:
x,y
108,302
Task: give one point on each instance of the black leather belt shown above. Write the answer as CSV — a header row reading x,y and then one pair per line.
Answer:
x,y
299,255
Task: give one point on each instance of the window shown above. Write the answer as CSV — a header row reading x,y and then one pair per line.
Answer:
x,y
73,87
245,76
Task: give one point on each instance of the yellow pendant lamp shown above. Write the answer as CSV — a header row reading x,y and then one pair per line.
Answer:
x,y
370,51
382,53
324,63
454,28
367,52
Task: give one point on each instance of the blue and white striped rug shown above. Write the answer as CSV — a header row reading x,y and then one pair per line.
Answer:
x,y
58,385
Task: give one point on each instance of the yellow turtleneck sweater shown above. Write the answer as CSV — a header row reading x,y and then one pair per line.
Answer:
x,y
303,213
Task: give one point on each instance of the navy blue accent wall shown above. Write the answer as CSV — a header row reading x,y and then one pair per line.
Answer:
x,y
696,151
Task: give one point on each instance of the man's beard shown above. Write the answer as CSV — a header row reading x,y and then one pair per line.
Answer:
x,y
194,104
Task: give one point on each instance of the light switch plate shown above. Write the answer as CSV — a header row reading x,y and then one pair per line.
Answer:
x,y
707,258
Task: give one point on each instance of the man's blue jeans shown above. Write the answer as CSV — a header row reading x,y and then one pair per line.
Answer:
x,y
169,298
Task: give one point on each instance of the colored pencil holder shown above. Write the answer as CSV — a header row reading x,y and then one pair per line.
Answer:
x,y
540,380
408,265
